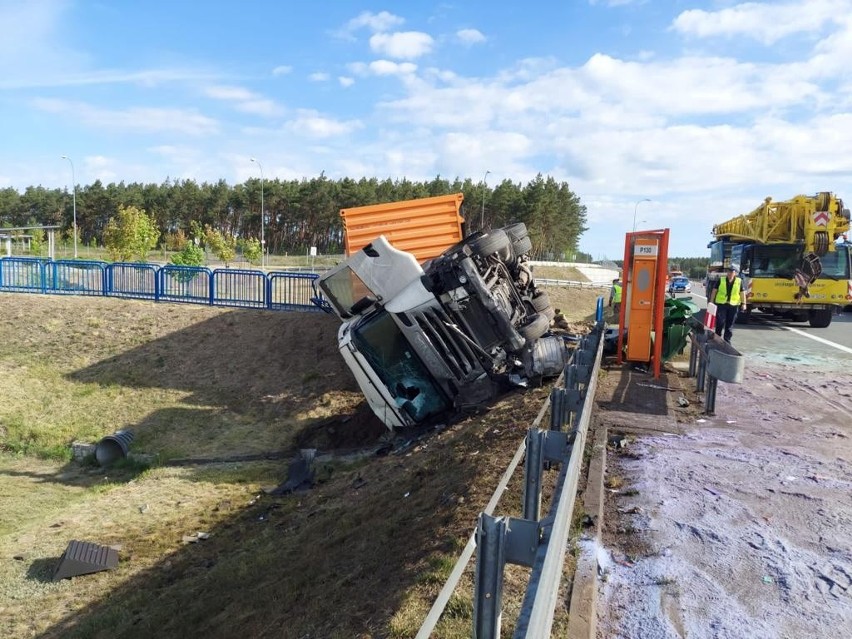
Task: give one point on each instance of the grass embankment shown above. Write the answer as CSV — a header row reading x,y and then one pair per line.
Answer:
x,y
361,555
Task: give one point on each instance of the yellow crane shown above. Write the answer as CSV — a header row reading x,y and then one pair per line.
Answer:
x,y
817,220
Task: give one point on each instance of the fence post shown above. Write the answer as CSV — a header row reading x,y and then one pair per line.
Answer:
x,y
488,588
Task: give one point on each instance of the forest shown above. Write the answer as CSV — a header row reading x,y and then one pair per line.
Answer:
x,y
298,213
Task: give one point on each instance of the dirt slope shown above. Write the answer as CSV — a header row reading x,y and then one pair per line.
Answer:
x,y
363,554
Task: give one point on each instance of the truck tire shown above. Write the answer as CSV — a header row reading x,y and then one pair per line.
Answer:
x,y
541,303
516,231
820,318
522,246
487,244
535,326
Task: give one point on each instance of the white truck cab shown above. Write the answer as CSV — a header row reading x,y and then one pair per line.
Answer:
x,y
427,340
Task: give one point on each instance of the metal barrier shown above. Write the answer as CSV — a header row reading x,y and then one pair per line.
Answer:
x,y
239,287
22,274
243,288
712,360
75,277
131,279
529,541
185,284
288,291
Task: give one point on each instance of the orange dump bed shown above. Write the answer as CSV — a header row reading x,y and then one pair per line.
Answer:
x,y
425,227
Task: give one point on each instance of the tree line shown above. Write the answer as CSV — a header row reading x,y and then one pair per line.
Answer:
x,y
299,213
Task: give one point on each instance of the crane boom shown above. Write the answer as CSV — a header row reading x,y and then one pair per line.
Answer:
x,y
816,220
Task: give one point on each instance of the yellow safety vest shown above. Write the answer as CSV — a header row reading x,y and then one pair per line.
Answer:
x,y
616,293
722,293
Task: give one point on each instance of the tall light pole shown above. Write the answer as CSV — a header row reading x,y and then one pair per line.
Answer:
x,y
74,200
484,191
262,218
634,211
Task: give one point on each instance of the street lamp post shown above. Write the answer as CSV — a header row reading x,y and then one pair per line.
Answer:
x,y
262,217
74,200
484,191
634,211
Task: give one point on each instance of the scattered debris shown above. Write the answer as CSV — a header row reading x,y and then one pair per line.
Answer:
x,y
83,558
667,388
618,441
300,473
683,402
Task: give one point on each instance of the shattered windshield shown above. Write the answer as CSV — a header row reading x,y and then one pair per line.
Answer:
x,y
381,342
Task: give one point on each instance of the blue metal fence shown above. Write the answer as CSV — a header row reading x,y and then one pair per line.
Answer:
x,y
22,274
244,288
239,287
75,277
136,280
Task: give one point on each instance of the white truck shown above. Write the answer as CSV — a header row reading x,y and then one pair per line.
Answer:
x,y
427,341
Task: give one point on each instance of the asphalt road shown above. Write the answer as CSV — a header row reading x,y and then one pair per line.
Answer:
x,y
778,340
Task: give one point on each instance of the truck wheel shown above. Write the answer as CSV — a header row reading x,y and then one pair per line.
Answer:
x,y
516,231
820,318
541,303
535,326
522,246
490,243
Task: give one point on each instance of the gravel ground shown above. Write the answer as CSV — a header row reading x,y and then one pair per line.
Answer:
x,y
745,520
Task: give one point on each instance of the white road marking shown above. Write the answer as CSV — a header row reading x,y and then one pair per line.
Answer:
x,y
821,340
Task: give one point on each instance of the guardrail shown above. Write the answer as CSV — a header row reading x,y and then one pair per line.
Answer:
x,y
245,288
530,540
540,281
711,360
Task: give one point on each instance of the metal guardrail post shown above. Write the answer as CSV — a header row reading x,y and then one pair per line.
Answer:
x,y
543,449
710,397
533,470
557,408
488,588
693,357
499,540
702,368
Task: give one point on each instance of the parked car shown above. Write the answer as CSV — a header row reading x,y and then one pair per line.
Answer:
x,y
679,285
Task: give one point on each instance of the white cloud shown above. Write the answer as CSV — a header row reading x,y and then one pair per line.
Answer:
x,y
261,106
382,21
319,76
133,119
284,69
765,22
386,67
221,92
470,37
381,67
244,100
345,81
405,45
314,125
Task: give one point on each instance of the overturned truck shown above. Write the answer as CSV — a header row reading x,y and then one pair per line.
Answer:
x,y
427,341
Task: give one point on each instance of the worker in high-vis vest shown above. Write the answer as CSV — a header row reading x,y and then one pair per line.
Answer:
x,y
615,296
729,299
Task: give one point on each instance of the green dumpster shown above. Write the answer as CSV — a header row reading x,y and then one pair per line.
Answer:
x,y
677,324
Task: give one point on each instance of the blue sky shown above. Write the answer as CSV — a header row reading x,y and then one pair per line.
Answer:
x,y
704,108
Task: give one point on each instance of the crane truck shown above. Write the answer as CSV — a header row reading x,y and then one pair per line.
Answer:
x,y
792,256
